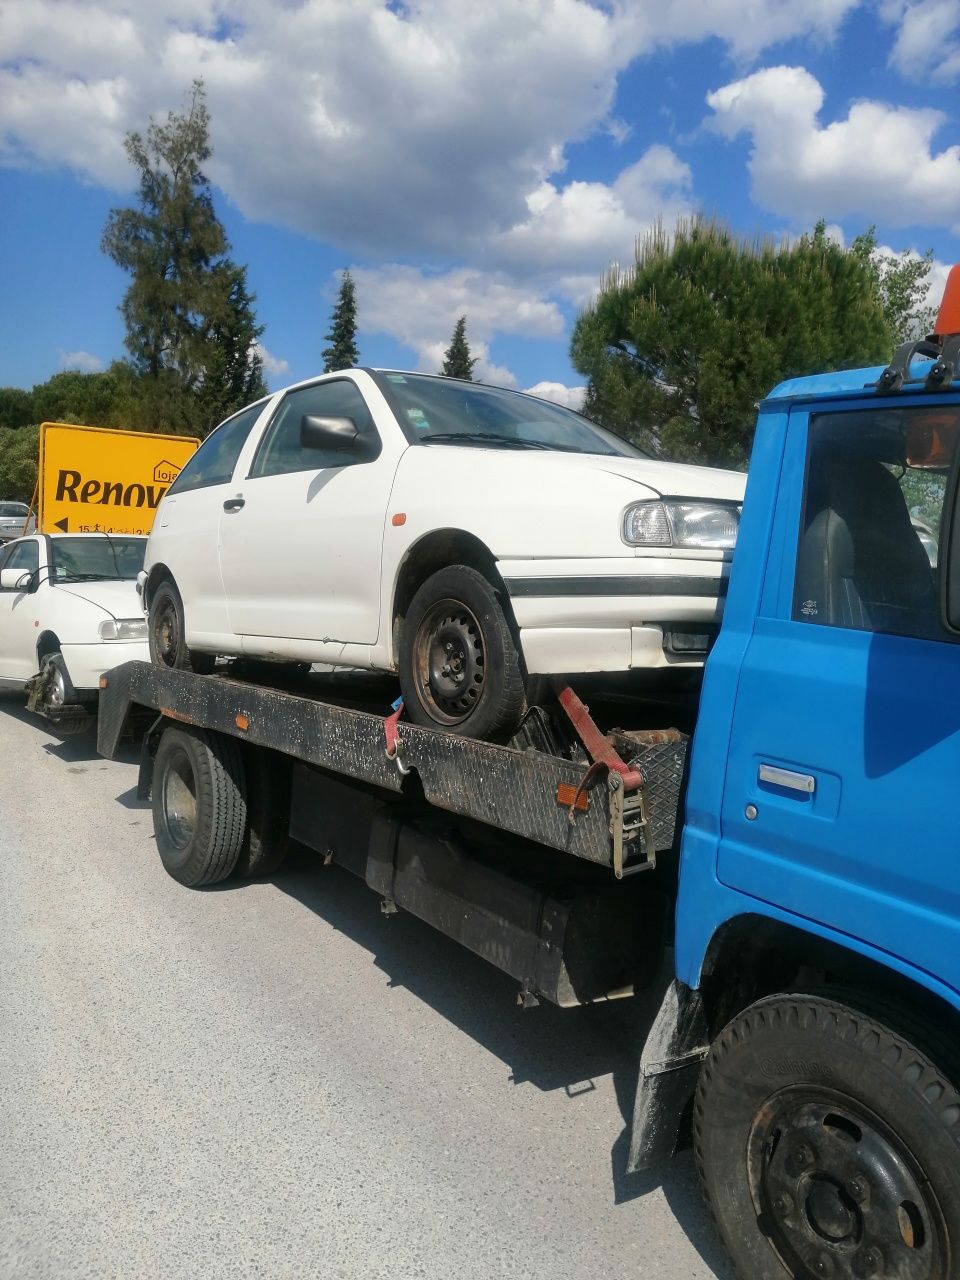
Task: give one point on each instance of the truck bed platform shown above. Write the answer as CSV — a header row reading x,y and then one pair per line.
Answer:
x,y
515,788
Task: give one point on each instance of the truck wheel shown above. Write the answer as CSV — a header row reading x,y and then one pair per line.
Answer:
x,y
199,805
459,662
267,840
829,1146
168,646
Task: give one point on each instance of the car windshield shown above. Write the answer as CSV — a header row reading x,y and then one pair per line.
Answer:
x,y
90,559
447,411
13,511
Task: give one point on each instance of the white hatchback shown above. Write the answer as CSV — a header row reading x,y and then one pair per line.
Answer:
x,y
68,612
465,536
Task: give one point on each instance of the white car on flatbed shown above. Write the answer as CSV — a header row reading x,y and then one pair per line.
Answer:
x,y
68,612
465,536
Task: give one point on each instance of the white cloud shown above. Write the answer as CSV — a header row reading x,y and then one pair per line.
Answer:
x,y
569,397
380,127
574,232
878,163
82,361
420,310
928,40
272,364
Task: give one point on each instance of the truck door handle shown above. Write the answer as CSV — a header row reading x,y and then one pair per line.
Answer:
x,y
233,504
778,777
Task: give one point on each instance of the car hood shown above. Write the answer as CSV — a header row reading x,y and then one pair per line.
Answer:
x,y
118,599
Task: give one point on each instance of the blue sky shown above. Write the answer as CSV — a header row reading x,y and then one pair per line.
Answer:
x,y
489,160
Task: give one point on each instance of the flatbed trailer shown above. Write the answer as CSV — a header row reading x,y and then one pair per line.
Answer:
x,y
516,850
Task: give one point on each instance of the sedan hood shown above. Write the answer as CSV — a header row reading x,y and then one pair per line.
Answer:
x,y
117,599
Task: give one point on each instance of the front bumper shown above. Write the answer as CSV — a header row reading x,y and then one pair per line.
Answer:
x,y
616,614
86,663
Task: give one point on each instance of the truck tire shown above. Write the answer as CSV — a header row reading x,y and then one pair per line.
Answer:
x,y
828,1144
267,840
166,636
199,805
459,662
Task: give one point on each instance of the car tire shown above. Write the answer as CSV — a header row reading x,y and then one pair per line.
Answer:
x,y
166,635
267,841
58,692
199,805
828,1143
459,662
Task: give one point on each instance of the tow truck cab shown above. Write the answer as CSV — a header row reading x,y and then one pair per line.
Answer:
x,y
819,851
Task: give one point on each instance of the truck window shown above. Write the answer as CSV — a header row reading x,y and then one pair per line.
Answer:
x,y
214,461
873,507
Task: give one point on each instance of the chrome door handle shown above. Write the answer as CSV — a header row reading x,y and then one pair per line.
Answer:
x,y
778,777
233,504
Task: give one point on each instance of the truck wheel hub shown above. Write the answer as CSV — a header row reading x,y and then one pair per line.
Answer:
x,y
838,1194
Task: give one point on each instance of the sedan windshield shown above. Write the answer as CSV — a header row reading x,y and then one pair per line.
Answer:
x,y
90,559
447,411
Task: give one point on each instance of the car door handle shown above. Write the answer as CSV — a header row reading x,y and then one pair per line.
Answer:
x,y
234,504
778,777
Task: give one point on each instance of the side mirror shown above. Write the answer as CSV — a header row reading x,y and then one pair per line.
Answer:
x,y
339,434
15,580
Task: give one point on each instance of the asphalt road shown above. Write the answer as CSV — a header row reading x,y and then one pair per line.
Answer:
x,y
276,1080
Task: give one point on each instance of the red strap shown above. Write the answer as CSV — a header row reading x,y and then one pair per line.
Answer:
x,y
599,748
390,729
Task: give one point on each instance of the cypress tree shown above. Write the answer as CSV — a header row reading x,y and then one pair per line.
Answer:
x,y
342,352
457,361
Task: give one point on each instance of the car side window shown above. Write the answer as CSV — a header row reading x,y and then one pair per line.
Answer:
x,y
24,556
280,451
215,460
868,552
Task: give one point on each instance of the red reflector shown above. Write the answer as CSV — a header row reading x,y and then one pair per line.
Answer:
x,y
567,795
242,722
103,682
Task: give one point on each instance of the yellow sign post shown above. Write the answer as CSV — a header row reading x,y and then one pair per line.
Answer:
x,y
98,480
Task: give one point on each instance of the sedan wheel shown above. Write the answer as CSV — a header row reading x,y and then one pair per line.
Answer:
x,y
165,633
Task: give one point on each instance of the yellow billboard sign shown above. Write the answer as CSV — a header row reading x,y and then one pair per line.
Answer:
x,y
98,480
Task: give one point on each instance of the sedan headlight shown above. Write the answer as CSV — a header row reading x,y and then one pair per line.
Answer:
x,y
676,523
123,629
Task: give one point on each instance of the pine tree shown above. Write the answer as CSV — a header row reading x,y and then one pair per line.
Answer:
x,y
457,361
679,349
187,310
342,352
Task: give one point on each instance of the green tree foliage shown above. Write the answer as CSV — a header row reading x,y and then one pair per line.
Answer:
x,y
679,349
19,451
187,310
342,352
457,361
16,407
900,281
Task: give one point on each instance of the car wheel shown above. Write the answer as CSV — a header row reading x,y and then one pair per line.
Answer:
x,y
828,1143
168,646
58,692
459,662
199,805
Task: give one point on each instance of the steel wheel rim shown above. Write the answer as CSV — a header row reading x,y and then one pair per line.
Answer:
x,y
55,692
166,633
178,801
838,1194
449,662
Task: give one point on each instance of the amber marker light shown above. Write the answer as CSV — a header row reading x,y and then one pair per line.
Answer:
x,y
398,518
242,722
104,682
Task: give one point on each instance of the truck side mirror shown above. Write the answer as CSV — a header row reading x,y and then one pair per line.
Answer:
x,y
15,580
338,434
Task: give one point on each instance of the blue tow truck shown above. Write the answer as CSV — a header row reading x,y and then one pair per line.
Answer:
x,y
774,855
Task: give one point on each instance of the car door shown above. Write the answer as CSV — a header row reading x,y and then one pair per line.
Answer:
x,y
184,537
847,720
18,612
301,538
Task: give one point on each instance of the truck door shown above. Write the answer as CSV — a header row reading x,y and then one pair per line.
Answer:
x,y
841,792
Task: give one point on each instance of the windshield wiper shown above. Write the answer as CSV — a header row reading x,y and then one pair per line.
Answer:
x,y
482,438
90,577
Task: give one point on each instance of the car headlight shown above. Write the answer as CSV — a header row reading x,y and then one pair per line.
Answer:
x,y
676,523
123,629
